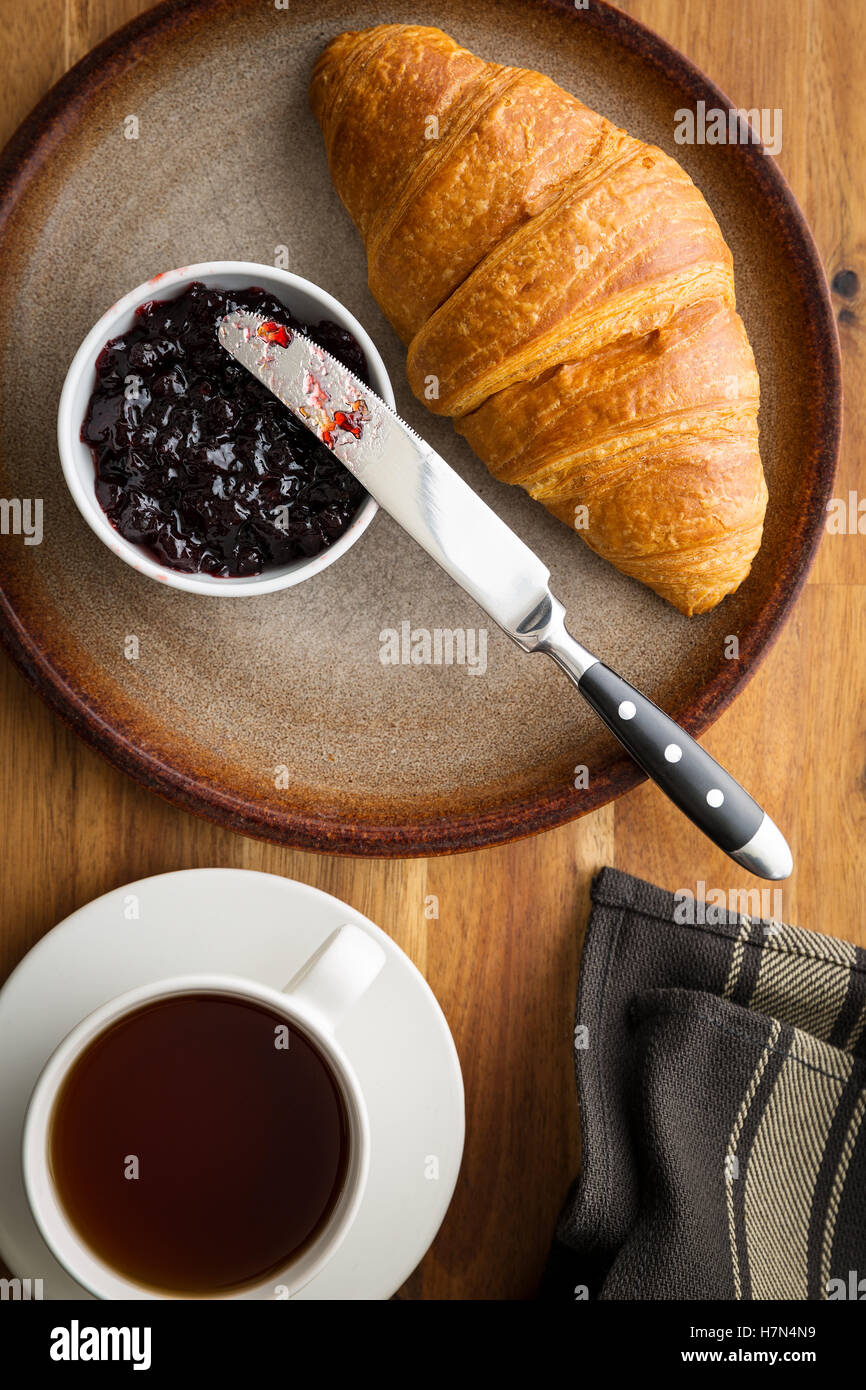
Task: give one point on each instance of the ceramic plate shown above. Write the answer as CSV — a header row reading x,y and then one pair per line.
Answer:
x,y
276,715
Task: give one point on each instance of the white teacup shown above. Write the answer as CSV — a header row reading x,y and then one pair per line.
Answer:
x,y
314,1002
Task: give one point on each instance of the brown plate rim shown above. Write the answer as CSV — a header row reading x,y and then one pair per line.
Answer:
x,y
20,162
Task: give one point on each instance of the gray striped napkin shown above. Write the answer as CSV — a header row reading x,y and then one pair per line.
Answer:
x,y
721,1075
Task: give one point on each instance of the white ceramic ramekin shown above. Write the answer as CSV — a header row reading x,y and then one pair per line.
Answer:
x,y
309,304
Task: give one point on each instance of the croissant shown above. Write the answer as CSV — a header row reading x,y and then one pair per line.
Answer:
x,y
566,296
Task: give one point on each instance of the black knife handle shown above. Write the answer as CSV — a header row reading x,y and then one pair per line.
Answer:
x,y
694,781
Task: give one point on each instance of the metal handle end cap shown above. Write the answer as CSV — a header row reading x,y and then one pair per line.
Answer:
x,y
767,854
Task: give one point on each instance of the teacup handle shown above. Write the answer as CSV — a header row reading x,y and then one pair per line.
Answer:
x,y
337,974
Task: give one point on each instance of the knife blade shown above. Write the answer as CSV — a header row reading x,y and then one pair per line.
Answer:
x,y
483,555
426,497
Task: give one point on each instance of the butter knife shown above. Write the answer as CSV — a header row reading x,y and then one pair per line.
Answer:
x,y
484,556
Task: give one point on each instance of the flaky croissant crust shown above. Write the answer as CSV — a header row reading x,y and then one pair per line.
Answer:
x,y
566,296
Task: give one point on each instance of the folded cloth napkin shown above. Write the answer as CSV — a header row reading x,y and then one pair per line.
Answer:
x,y
721,1077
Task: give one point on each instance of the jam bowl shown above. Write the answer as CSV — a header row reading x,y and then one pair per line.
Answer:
x,y
145,432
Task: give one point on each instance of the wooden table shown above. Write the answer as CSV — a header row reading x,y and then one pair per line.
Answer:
x,y
503,955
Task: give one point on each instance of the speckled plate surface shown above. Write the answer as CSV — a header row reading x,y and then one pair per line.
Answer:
x,y
379,759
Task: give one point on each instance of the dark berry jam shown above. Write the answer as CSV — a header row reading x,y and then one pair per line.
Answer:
x,y
196,460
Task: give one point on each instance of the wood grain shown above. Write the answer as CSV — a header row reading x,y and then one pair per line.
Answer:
x,y
502,956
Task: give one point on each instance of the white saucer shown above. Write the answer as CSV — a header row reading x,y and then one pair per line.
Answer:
x,y
264,927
